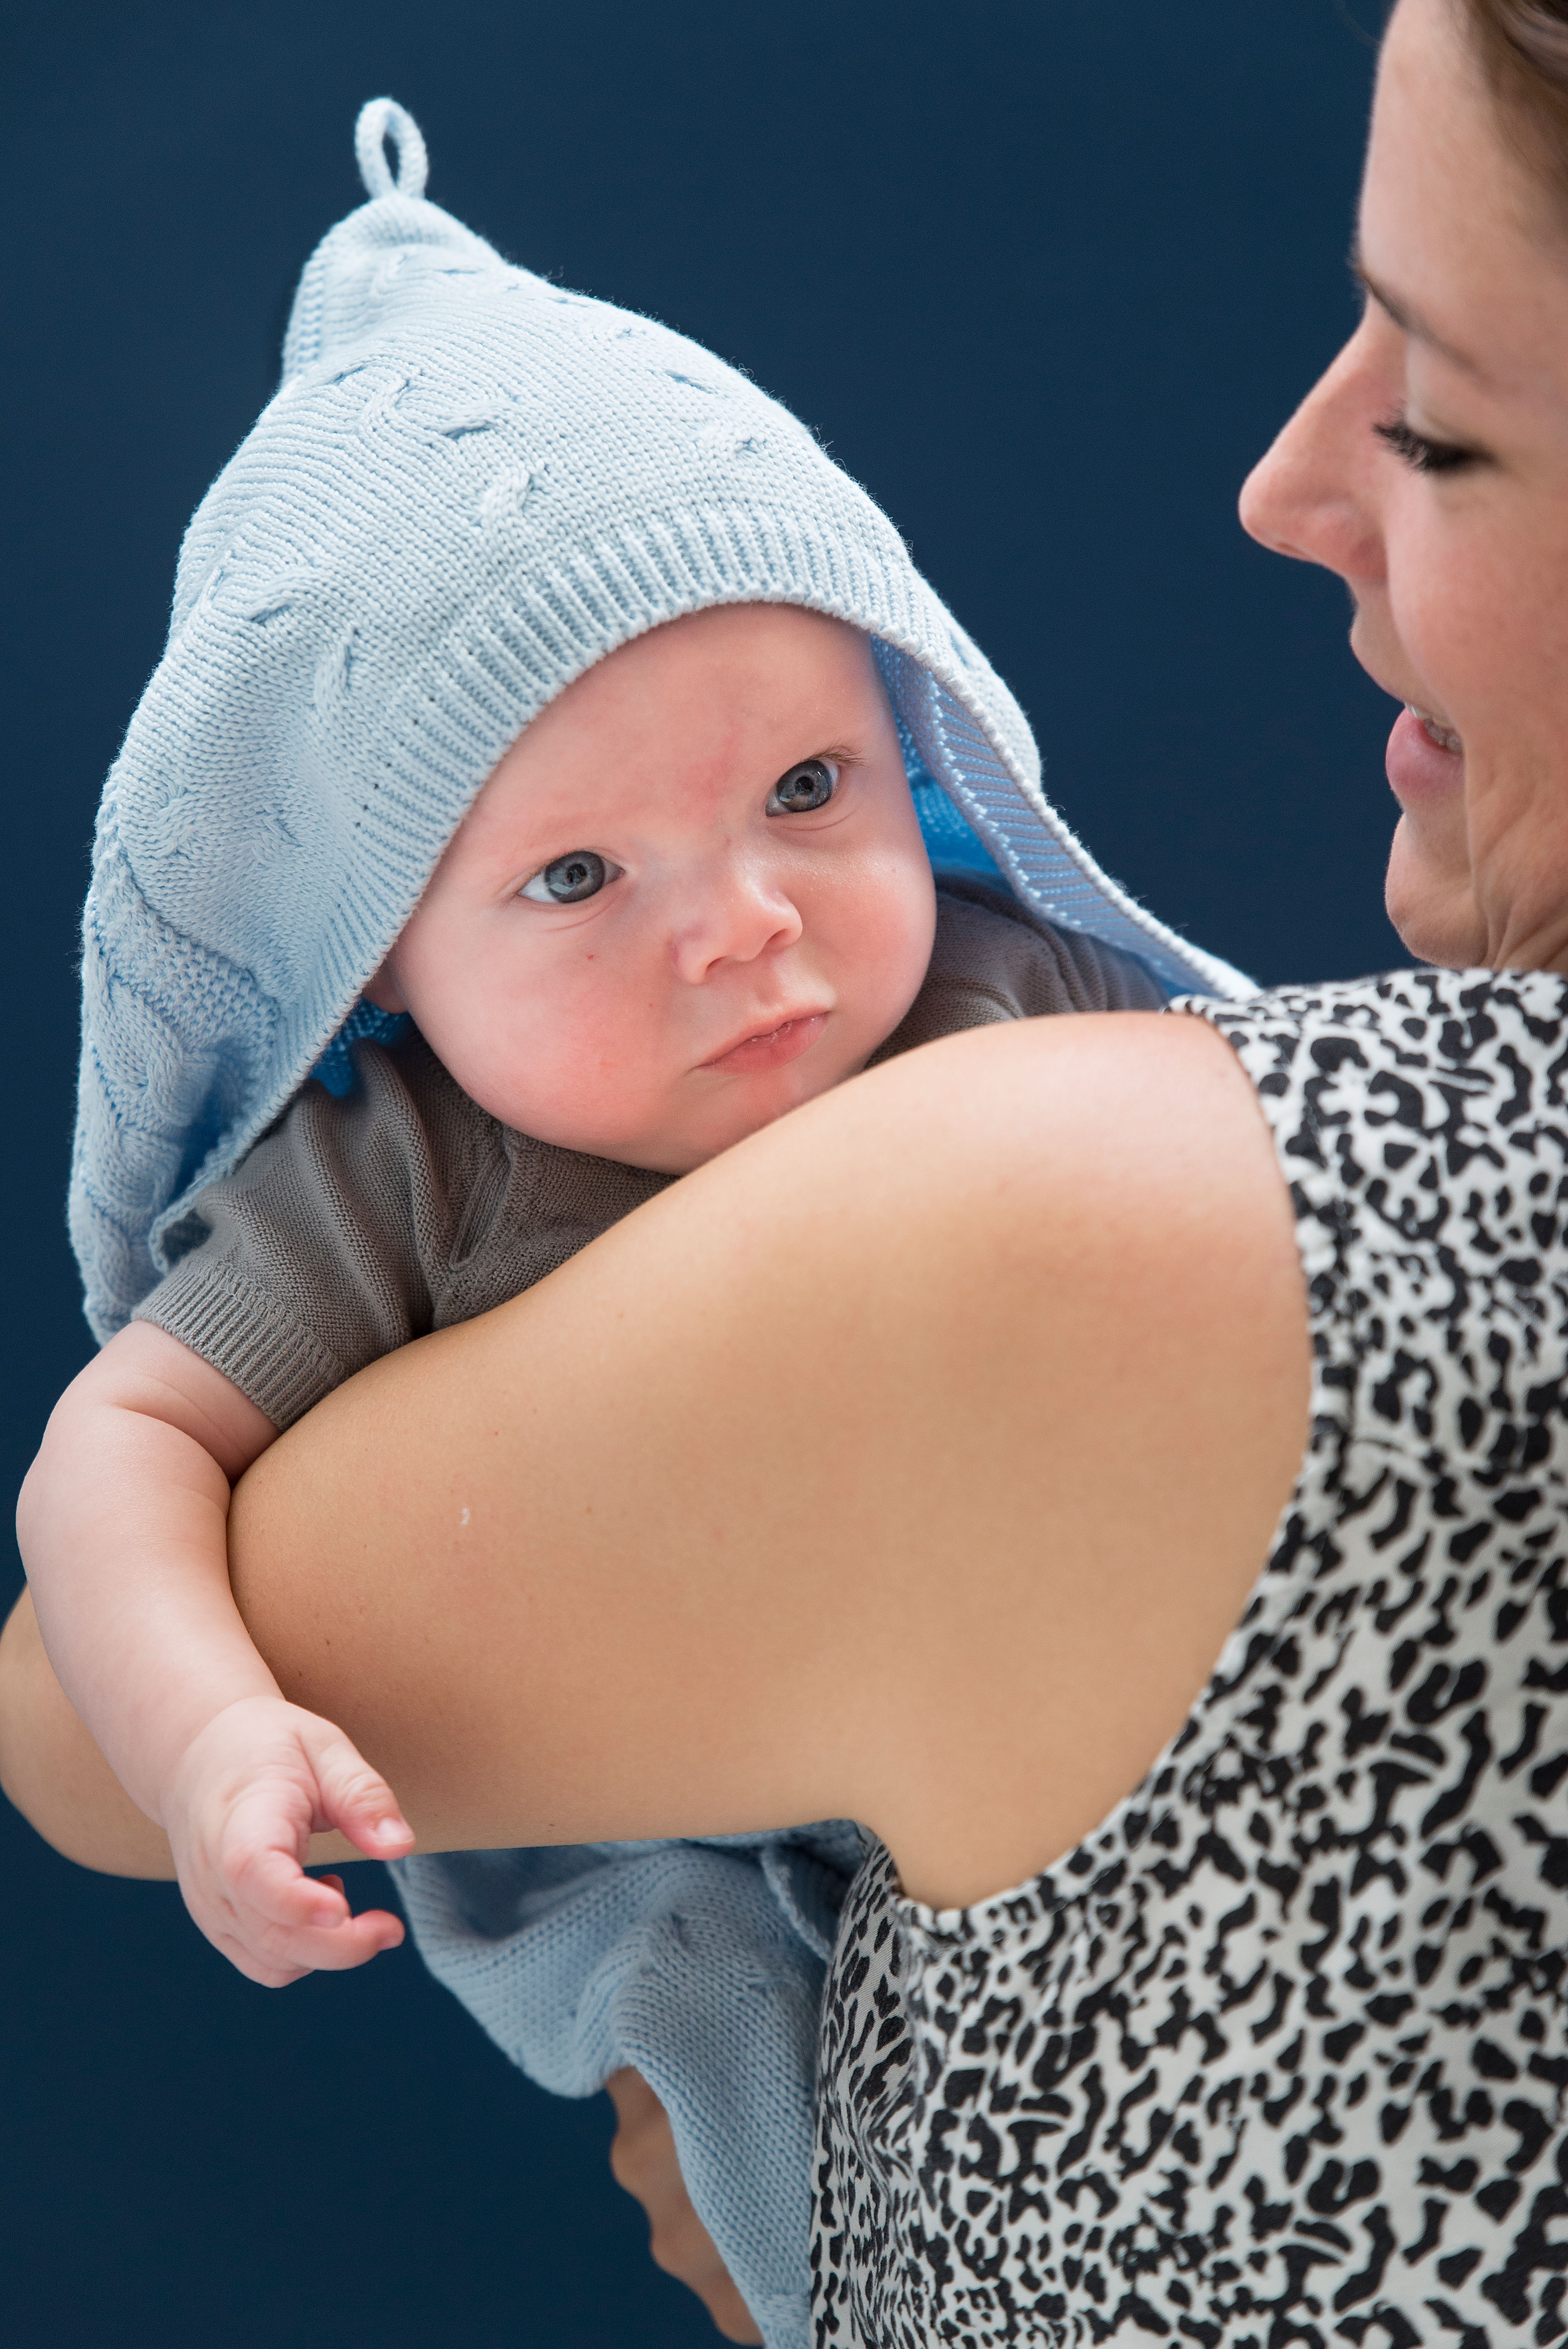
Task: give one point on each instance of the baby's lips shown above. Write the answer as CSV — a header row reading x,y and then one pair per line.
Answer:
x,y
772,1047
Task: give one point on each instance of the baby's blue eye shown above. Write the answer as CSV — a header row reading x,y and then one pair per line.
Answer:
x,y
810,785
570,878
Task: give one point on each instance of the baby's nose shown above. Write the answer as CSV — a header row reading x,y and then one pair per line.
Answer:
x,y
739,915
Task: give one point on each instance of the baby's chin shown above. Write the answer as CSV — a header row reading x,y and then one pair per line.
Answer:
x,y
681,1152
715,1126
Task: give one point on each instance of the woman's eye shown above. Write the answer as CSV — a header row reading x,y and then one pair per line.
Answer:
x,y
1421,454
810,785
570,879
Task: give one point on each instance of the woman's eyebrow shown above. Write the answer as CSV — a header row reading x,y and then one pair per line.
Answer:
x,y
1410,321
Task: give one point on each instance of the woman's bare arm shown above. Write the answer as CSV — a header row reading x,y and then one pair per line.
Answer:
x,y
914,1461
901,1462
55,1774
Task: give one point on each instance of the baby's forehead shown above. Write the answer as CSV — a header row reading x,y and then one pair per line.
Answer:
x,y
701,700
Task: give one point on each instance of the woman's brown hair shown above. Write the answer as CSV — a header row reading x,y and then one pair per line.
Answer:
x,y
1524,50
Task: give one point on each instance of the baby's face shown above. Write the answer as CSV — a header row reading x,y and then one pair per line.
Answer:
x,y
693,894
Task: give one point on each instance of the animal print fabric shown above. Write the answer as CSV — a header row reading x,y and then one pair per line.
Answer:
x,y
1277,2058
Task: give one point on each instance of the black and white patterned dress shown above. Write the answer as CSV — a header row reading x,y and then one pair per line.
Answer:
x,y
1277,2058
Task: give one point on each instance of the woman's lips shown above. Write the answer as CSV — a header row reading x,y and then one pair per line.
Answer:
x,y
1426,760
772,1047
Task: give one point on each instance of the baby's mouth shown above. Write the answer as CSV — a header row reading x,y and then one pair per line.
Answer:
x,y
770,1048
1443,736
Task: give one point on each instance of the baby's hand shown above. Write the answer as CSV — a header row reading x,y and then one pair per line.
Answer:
x,y
239,1808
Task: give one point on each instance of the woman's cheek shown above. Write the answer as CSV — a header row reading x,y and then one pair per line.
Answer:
x,y
1432,601
1474,594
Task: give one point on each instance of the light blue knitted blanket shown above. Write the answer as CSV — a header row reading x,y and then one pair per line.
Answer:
x,y
701,1964
471,485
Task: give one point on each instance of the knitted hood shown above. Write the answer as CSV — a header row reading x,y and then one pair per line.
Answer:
x,y
469,487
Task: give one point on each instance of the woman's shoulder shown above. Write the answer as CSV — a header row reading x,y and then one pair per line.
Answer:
x,y
1419,1122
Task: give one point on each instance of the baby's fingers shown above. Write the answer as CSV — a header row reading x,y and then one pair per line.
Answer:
x,y
275,1955
268,1884
292,1923
356,1799
337,1948
252,1787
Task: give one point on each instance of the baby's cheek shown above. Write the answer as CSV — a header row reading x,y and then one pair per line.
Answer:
x,y
892,941
585,1076
543,1075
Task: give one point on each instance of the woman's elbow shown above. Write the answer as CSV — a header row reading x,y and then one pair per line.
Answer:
x,y
28,1729
51,1771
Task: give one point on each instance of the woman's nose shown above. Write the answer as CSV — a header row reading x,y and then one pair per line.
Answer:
x,y
742,911
1316,494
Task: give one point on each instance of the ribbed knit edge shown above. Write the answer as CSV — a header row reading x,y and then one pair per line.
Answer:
x,y
275,1359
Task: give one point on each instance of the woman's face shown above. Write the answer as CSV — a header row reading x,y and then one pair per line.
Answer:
x,y
1429,467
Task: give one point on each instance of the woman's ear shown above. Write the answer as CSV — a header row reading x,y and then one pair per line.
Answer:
x,y
383,990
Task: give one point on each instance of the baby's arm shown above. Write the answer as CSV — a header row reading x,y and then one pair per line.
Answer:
x,y
122,1523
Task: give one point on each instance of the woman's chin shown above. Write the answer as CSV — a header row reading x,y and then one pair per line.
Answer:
x,y
1429,902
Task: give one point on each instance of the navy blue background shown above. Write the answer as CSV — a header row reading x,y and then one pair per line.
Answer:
x,y
1046,278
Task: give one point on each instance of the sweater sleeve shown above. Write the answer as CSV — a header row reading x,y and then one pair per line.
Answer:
x,y
323,1250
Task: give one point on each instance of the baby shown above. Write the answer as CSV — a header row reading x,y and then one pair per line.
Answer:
x,y
521,814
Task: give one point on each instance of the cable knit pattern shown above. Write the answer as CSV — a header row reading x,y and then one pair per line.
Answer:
x,y
470,486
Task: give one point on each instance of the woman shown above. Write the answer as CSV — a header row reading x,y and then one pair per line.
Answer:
x,y
931,1470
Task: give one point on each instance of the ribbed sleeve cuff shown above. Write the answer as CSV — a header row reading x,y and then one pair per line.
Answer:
x,y
246,1334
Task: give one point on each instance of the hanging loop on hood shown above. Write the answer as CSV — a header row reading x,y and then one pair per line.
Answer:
x,y
380,120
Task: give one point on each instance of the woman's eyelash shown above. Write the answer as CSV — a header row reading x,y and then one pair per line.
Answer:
x,y
1422,455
